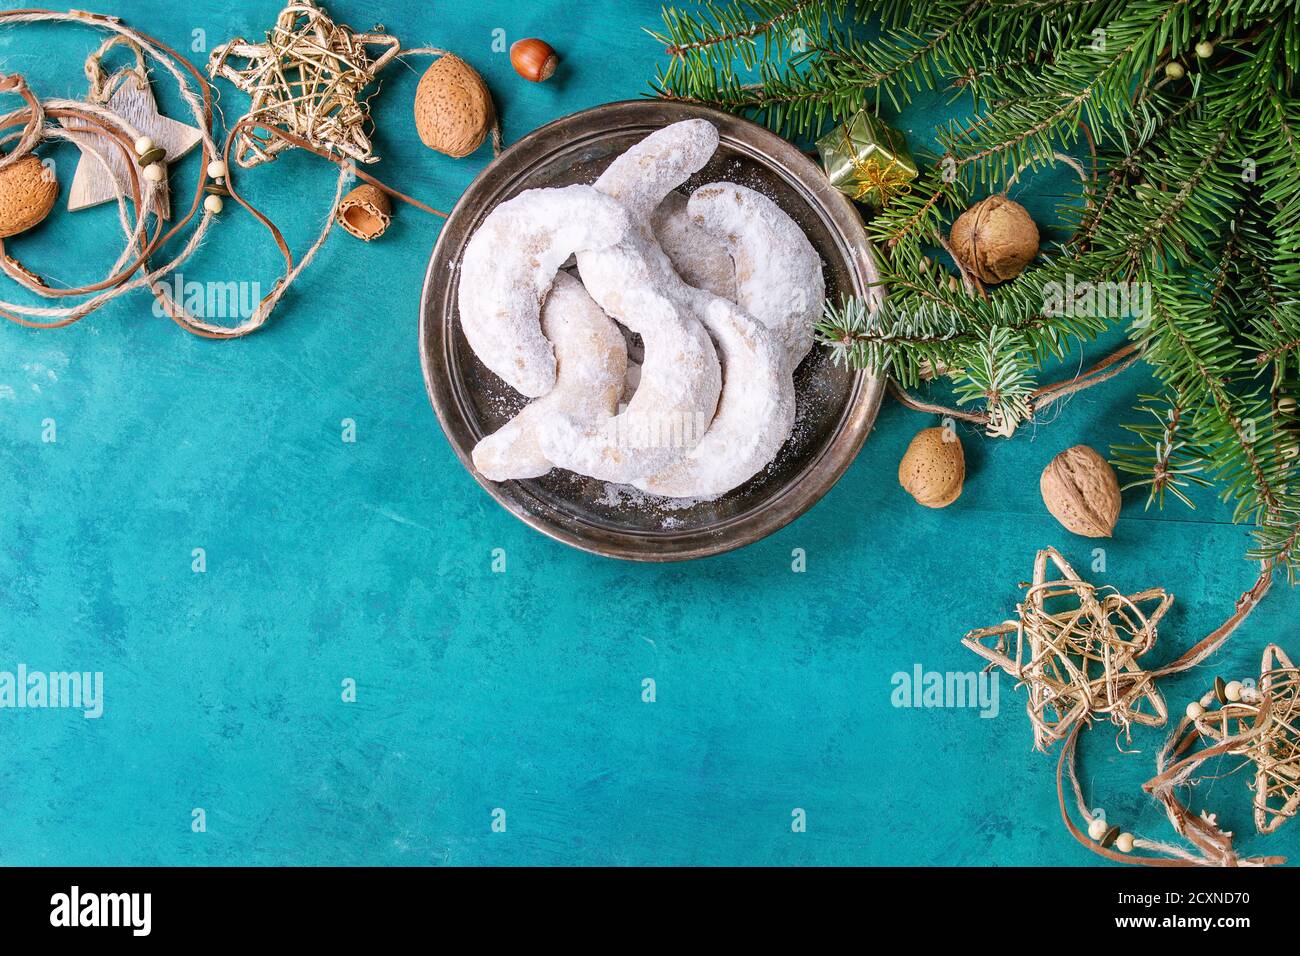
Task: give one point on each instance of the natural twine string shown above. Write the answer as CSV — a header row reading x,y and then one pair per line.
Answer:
x,y
32,131
107,125
102,86
1082,664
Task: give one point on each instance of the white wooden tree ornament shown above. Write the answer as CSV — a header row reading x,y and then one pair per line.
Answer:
x,y
126,93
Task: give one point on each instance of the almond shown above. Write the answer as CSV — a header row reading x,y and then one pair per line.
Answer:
x,y
28,190
453,108
933,468
1081,491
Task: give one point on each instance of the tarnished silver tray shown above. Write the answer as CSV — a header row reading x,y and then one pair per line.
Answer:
x,y
836,407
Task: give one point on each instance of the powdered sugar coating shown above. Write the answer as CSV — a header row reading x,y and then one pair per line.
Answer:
x,y
778,272
591,362
641,177
698,257
755,414
634,282
508,267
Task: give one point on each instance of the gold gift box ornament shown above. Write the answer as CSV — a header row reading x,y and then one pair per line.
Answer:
x,y
867,160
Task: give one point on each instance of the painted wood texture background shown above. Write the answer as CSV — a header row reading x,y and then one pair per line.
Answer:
x,y
328,560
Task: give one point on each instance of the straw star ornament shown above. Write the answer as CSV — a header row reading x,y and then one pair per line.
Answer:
x,y
1076,650
305,79
1262,724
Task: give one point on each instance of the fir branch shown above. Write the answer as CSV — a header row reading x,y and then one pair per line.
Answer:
x,y
720,34
1174,208
1163,460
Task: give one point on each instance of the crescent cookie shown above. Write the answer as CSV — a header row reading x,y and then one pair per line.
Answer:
x,y
591,363
508,267
633,281
698,257
641,177
778,272
755,414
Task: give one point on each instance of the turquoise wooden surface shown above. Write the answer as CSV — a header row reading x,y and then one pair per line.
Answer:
x,y
476,691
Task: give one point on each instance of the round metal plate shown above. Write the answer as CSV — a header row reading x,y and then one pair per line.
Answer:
x,y
836,407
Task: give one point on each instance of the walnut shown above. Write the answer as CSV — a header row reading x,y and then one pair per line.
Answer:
x,y
995,239
1081,491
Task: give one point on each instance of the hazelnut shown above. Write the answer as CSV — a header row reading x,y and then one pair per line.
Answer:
x,y
533,59
933,468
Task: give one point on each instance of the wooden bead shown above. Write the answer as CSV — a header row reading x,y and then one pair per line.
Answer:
x,y
154,173
217,169
1232,690
1097,828
143,145
1194,710
1124,843
213,203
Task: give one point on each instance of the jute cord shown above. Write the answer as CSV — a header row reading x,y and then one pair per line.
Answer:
x,y
133,269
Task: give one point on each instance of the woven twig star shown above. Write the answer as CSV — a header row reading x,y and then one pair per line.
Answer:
x,y
1081,659
305,79
1266,730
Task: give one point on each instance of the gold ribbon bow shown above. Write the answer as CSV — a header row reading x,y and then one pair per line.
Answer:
x,y
887,182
